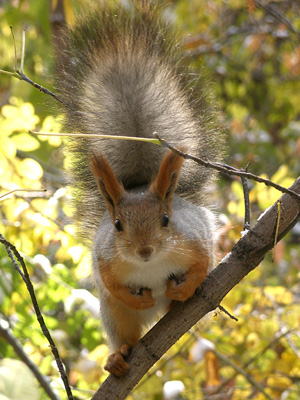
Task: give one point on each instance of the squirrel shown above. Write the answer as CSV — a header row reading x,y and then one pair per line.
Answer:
x,y
141,209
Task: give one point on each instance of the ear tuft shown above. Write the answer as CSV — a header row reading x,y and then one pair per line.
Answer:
x,y
165,183
107,183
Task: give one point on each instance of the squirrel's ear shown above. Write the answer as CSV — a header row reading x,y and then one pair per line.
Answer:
x,y
107,182
165,183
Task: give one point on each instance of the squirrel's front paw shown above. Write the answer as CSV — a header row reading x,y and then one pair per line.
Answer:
x,y
140,300
116,363
179,288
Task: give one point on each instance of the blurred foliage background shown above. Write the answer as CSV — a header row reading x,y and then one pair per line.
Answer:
x,y
251,50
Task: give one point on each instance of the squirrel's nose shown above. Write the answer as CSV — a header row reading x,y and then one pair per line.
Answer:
x,y
145,251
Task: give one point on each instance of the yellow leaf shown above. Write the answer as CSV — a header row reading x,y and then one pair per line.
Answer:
x,y
25,142
30,169
8,147
27,110
51,124
70,17
280,382
10,112
30,119
237,337
245,309
281,173
76,252
279,294
252,340
82,270
99,353
18,118
53,4
237,189
232,207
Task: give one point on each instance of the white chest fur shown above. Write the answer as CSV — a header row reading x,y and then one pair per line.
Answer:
x,y
153,274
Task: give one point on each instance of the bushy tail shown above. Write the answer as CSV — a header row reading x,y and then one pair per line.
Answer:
x,y
124,74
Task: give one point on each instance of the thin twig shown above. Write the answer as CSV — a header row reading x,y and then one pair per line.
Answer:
x,y
7,334
226,169
242,371
94,135
270,9
249,362
246,203
278,311
279,205
22,190
229,170
227,313
23,52
20,74
15,256
15,48
238,369
24,77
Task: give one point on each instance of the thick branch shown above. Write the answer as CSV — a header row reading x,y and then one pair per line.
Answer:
x,y
244,257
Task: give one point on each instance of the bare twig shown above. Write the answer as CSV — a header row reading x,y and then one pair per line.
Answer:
x,y
250,362
20,74
23,52
279,205
229,170
22,190
282,327
227,312
14,342
15,258
94,135
226,169
247,203
242,371
237,368
276,13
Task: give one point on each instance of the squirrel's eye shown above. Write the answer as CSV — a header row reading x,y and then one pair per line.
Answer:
x,y
118,225
165,220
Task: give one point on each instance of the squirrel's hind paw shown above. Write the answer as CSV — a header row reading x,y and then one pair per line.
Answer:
x,y
116,364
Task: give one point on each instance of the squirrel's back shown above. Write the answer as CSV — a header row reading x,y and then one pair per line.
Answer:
x,y
123,74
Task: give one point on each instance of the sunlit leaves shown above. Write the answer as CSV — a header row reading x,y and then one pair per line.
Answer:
x,y
18,119
256,76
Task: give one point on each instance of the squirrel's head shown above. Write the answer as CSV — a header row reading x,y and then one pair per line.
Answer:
x,y
142,219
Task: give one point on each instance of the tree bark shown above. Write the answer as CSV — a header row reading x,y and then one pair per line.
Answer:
x,y
244,257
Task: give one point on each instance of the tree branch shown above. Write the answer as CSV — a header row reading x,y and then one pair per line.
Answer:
x,y
20,74
244,257
43,381
15,257
228,169
278,15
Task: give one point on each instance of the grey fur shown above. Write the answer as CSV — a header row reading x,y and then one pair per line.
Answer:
x,y
124,74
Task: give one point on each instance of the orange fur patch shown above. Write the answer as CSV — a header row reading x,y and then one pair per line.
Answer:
x,y
168,174
101,169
